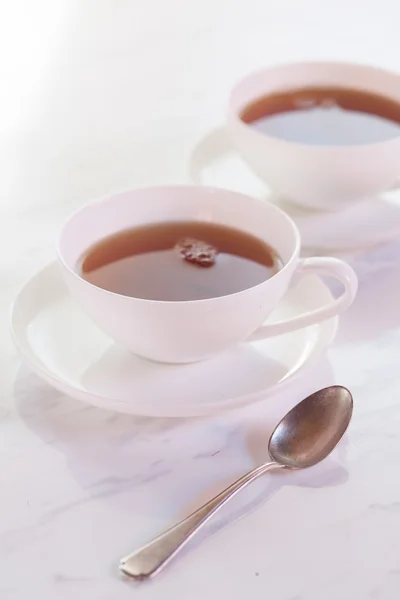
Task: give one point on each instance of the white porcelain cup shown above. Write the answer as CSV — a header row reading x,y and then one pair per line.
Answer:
x,y
323,177
189,331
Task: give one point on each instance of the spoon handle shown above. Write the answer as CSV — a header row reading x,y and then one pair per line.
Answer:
x,y
150,559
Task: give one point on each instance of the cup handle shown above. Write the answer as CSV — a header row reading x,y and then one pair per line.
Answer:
x,y
332,267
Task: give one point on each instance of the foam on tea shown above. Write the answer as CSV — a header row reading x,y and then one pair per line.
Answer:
x,y
179,261
325,116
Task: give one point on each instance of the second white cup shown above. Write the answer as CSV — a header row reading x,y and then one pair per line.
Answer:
x,y
324,177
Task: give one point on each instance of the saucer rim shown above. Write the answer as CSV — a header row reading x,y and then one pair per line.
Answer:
x,y
120,406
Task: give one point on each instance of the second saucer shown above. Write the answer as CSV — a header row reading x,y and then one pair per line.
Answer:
x,y
215,162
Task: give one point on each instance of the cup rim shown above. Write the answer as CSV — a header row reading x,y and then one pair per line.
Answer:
x,y
207,189
234,114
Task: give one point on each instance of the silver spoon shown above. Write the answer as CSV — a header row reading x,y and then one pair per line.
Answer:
x,y
304,437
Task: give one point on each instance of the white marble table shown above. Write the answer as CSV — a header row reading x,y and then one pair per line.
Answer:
x,y
103,95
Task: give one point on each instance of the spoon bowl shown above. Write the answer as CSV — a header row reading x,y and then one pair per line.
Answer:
x,y
312,429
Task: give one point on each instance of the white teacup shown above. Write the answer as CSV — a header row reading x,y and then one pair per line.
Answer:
x,y
189,331
323,177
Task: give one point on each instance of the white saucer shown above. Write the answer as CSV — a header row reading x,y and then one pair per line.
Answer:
x,y
67,350
368,223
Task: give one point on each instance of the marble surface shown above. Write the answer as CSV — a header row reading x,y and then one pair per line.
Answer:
x,y
103,95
